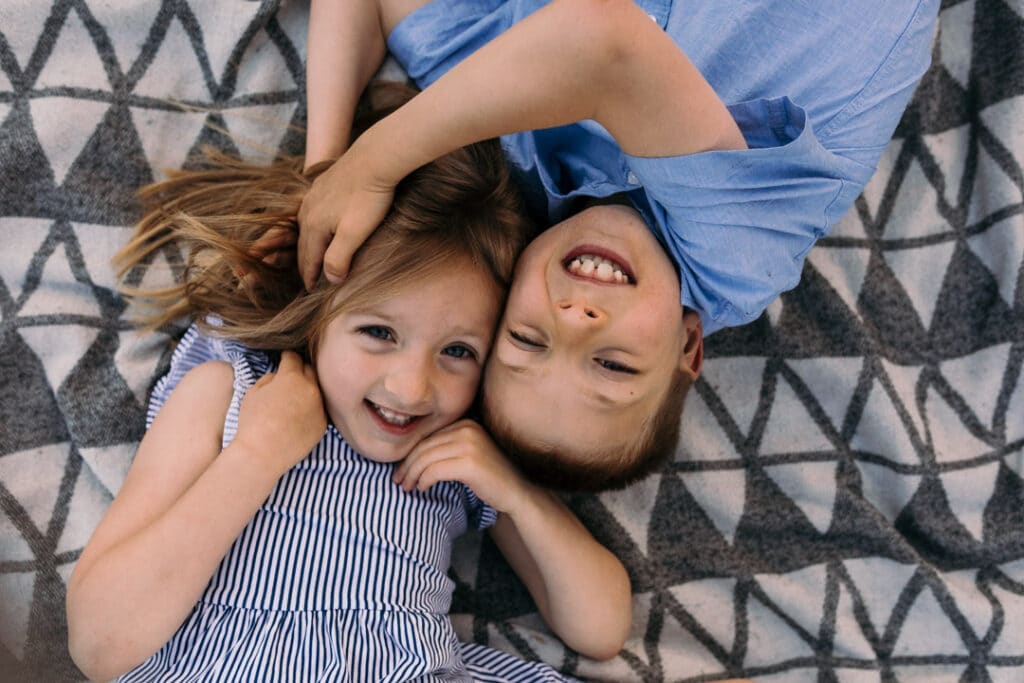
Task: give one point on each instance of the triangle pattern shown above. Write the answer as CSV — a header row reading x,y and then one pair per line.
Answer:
x,y
993,189
955,44
1015,428
89,502
701,436
166,136
13,547
175,72
25,160
124,25
799,593
997,64
1003,119
20,235
32,17
294,22
915,212
879,182
33,477
98,244
258,131
849,225
922,284
845,269
109,464
28,406
950,151
1004,674
881,431
721,494
774,311
973,605
114,163
951,440
1011,638
704,599
60,292
977,378
769,637
59,359
815,321
849,639
16,589
879,583
812,487
1001,249
1004,515
904,379
832,381
231,22
887,491
137,357
890,316
927,630
790,428
66,136
931,673
733,379
968,491
263,68
632,508
680,651
5,85
74,62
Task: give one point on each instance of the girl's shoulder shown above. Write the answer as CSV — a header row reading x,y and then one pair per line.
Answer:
x,y
200,345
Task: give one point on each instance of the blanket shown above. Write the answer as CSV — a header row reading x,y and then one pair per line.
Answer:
x,y
847,503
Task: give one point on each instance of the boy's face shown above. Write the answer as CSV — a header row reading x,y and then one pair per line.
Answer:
x,y
583,355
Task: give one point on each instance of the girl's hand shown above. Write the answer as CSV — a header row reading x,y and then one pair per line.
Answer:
x,y
342,208
282,415
464,452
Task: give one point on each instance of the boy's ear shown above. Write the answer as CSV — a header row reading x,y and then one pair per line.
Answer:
x,y
691,358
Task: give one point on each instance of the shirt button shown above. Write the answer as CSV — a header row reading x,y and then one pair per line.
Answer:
x,y
632,179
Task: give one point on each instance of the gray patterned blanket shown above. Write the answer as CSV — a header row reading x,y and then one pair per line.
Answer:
x,y
847,504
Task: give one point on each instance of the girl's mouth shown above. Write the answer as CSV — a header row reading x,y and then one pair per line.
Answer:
x,y
598,264
392,421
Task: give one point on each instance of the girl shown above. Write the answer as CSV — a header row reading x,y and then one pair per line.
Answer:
x,y
293,521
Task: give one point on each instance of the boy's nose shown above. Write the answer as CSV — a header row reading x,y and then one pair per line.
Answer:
x,y
581,315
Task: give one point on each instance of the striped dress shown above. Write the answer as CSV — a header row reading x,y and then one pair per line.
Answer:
x,y
339,576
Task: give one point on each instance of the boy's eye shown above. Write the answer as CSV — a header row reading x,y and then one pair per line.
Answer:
x,y
459,351
523,339
615,367
377,332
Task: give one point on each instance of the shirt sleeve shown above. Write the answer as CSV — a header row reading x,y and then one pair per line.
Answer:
x,y
479,515
738,224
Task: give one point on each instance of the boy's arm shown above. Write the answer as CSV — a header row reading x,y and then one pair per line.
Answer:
x,y
345,47
571,60
181,507
580,588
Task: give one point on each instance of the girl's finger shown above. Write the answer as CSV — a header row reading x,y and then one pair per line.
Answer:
x,y
449,469
421,463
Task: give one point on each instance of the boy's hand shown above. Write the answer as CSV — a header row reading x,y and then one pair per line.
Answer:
x,y
342,208
464,452
282,415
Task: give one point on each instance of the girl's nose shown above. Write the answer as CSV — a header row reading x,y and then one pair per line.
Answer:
x,y
409,384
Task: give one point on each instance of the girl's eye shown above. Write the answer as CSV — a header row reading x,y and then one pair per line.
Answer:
x,y
615,367
459,351
523,339
377,332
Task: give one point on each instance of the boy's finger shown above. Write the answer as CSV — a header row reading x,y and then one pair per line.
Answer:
x,y
313,243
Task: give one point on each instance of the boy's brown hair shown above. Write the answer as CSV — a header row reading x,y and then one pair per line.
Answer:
x,y
614,468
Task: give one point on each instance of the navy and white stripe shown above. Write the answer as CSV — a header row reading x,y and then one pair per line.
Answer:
x,y
340,575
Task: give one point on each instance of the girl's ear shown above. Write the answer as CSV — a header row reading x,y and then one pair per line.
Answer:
x,y
691,358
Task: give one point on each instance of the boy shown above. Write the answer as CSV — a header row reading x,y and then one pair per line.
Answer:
x,y
603,329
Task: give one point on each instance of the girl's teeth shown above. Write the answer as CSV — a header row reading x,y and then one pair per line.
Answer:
x,y
397,419
599,268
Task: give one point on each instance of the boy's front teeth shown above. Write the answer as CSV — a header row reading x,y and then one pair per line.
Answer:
x,y
598,268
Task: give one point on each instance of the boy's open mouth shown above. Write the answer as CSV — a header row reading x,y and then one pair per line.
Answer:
x,y
598,264
392,421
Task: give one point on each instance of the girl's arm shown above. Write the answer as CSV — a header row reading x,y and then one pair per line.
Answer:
x,y
571,60
345,47
181,507
580,588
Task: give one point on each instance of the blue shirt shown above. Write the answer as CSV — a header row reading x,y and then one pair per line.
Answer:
x,y
817,89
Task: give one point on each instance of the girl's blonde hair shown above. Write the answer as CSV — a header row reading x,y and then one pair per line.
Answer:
x,y
461,206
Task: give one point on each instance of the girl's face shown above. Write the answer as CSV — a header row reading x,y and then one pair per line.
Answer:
x,y
400,370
